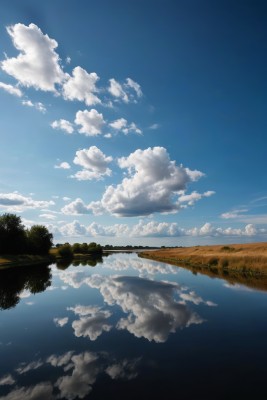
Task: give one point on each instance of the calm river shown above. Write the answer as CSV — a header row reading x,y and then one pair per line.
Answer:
x,y
129,328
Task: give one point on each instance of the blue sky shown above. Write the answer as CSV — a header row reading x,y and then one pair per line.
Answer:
x,y
135,122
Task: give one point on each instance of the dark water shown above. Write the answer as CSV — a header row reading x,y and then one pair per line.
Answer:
x,y
129,328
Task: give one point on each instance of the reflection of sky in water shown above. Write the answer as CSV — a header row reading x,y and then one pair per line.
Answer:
x,y
93,329
76,373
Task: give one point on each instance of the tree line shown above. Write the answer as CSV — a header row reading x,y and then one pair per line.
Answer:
x,y
16,239
67,250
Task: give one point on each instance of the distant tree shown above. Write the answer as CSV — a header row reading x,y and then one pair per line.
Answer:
x,y
65,251
76,248
40,240
84,248
12,234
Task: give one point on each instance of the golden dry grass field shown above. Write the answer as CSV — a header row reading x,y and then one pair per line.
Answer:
x,y
237,263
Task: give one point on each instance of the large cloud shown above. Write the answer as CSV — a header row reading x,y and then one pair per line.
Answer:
x,y
81,86
152,185
152,312
91,122
37,64
94,163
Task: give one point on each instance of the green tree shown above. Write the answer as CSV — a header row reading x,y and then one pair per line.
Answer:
x,y
12,234
76,248
40,240
65,251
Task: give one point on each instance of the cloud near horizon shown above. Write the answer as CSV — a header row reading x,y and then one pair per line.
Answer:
x,y
151,229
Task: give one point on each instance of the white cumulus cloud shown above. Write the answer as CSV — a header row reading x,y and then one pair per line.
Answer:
x,y
76,207
151,186
64,125
63,165
81,86
37,64
94,163
92,322
91,122
17,202
150,307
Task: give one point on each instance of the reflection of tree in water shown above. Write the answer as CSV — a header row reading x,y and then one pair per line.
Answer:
x,y
91,261
14,280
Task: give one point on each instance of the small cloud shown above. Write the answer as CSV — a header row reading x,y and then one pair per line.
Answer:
x,y
63,165
233,214
11,89
48,216
81,86
91,122
64,125
7,380
94,163
60,322
38,105
122,124
135,86
117,91
68,60
126,92
28,103
153,127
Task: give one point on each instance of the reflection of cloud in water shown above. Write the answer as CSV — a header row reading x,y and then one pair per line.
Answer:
x,y
125,369
194,298
61,321
7,380
92,321
153,313
23,367
81,371
41,391
143,266
236,286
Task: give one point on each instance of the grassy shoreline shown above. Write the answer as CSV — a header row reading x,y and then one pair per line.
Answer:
x,y
236,263
8,261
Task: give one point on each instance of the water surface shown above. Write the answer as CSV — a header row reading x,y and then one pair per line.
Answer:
x,y
128,327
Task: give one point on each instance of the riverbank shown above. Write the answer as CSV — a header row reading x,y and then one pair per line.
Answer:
x,y
237,263
8,261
